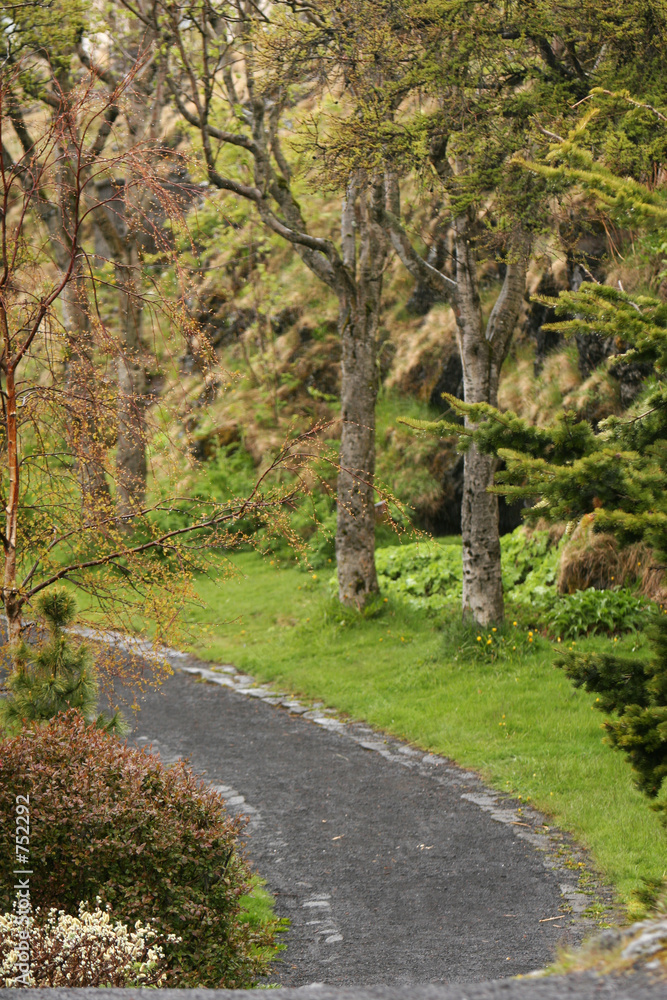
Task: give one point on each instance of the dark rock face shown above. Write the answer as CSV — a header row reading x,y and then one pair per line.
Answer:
x,y
225,326
425,296
284,319
537,317
631,377
441,514
450,380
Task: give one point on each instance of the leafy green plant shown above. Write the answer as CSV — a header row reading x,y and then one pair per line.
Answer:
x,y
428,574
423,573
589,611
56,676
529,559
154,842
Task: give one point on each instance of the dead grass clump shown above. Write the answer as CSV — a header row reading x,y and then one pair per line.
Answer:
x,y
556,531
422,351
539,398
595,559
596,398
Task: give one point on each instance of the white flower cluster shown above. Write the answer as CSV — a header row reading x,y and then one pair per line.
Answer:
x,y
85,950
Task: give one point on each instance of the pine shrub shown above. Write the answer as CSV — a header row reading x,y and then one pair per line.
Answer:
x,y
110,821
634,692
55,676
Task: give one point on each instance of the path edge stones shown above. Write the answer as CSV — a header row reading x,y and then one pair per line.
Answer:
x,y
587,902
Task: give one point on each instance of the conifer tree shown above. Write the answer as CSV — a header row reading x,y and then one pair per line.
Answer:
x,y
55,676
617,472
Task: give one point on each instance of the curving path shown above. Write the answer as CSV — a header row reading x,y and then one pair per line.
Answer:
x,y
395,867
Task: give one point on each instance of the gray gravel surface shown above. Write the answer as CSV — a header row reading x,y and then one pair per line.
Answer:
x,y
586,986
394,867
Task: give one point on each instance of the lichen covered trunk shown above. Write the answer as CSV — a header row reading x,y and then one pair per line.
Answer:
x,y
85,427
355,526
358,320
483,349
482,579
10,595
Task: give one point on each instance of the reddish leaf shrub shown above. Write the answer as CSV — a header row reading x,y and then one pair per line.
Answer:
x,y
155,843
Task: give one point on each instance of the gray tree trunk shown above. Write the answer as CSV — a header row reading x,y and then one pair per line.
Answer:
x,y
483,349
131,466
87,418
358,322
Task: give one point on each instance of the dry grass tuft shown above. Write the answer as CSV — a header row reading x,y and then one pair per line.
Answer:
x,y
422,349
595,559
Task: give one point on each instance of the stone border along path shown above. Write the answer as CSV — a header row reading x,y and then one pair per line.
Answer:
x,y
537,833
637,985
457,916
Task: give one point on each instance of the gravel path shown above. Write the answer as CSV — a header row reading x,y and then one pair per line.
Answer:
x,y
394,866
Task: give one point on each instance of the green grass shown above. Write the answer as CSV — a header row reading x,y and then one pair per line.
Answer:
x,y
258,910
518,722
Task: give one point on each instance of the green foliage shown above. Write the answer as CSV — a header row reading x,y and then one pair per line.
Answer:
x,y
618,472
588,611
428,575
154,842
228,475
636,693
425,574
528,559
511,641
56,676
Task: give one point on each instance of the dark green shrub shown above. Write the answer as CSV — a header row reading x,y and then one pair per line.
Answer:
x,y
634,693
154,842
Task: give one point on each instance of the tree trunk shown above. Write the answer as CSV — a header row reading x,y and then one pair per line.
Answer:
x,y
358,323
355,525
483,351
131,447
10,596
85,428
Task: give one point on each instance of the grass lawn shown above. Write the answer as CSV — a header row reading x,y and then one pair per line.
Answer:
x,y
516,720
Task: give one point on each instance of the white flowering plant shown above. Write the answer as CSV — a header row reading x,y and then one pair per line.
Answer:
x,y
88,949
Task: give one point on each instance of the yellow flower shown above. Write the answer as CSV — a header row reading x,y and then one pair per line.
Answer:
x,y
530,638
515,623
494,629
479,638
488,642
